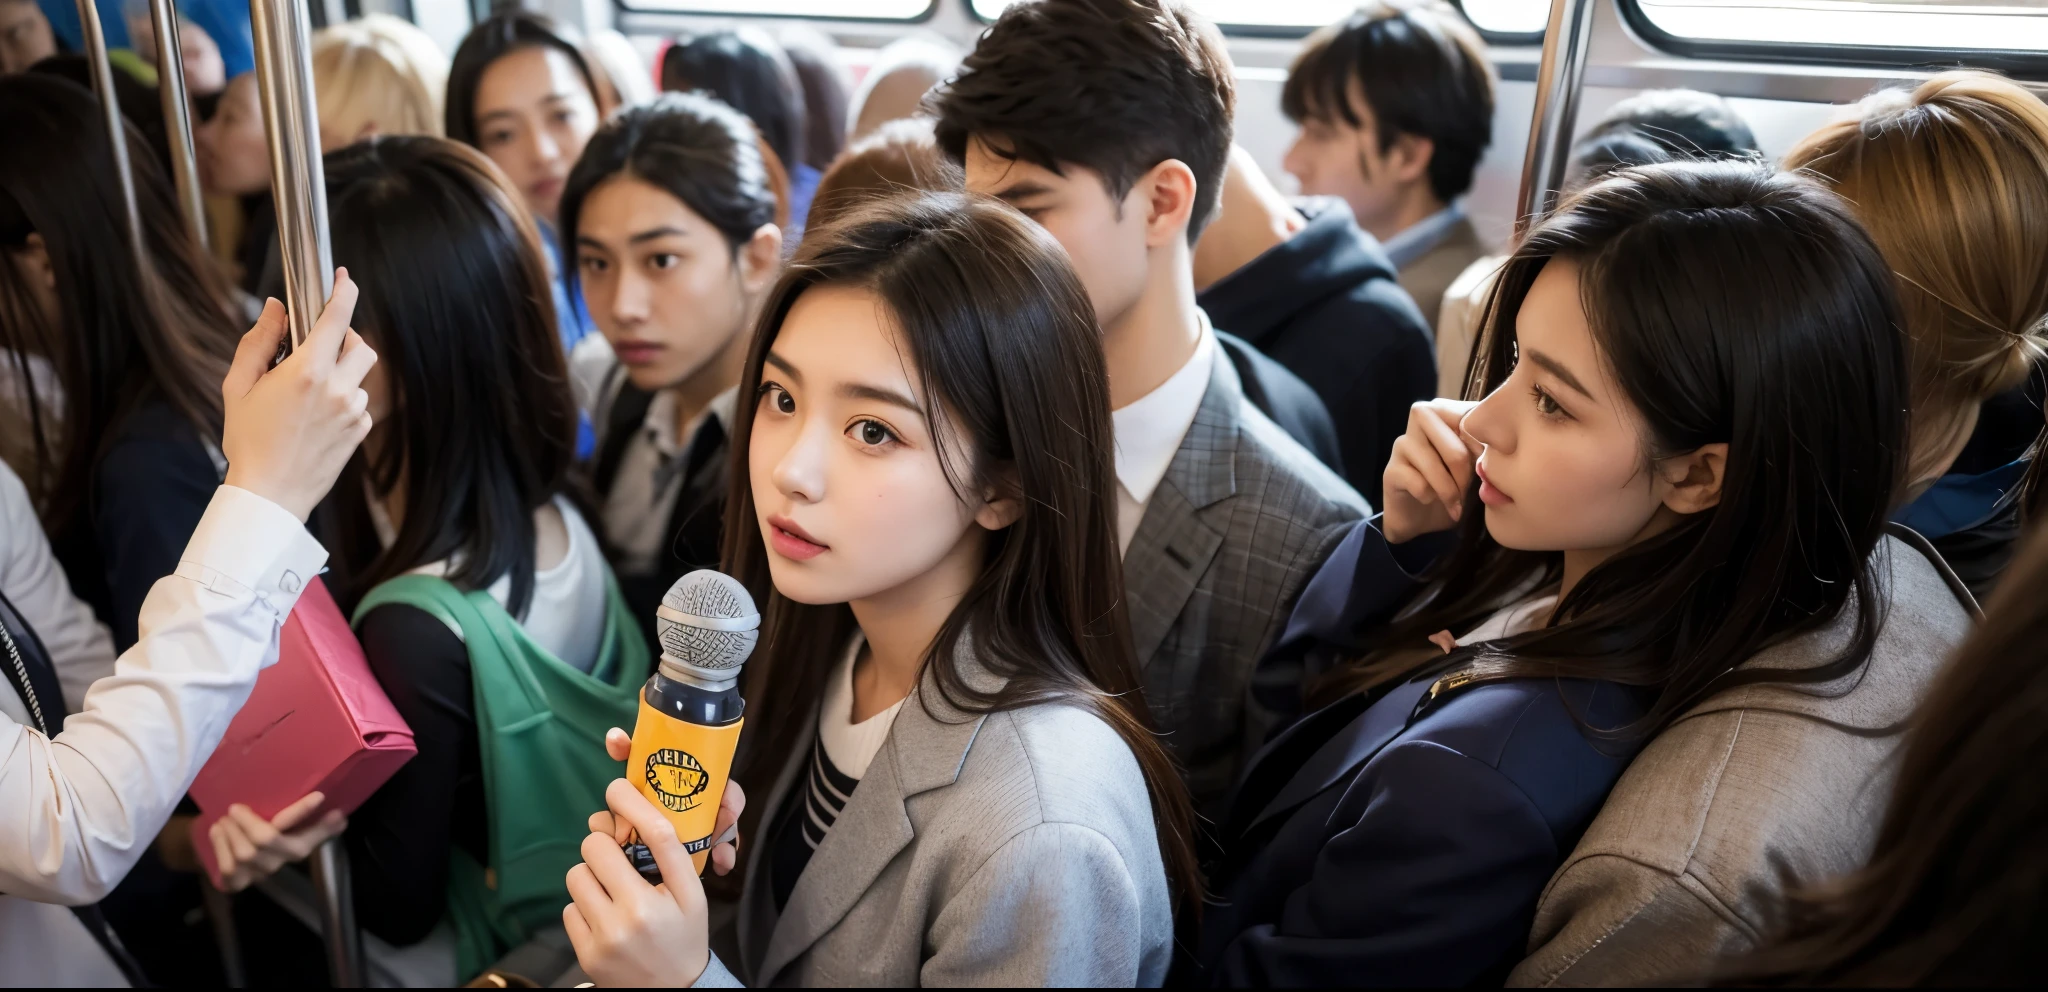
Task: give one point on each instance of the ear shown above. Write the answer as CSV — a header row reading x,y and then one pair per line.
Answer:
x,y
1409,156
1694,479
366,132
1001,507
1166,193
760,259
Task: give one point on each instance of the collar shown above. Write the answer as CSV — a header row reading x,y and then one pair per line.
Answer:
x,y
659,427
1149,429
1423,235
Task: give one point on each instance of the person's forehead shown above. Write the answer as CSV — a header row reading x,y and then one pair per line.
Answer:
x,y
839,333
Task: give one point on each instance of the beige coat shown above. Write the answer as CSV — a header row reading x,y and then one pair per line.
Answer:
x,y
1751,791
1429,275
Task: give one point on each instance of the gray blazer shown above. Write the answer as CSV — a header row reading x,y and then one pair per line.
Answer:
x,y
1756,790
1244,516
1012,848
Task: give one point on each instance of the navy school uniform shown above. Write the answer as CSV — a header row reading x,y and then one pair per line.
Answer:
x,y
1403,836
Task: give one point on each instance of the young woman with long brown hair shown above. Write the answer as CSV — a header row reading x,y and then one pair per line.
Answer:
x,y
955,778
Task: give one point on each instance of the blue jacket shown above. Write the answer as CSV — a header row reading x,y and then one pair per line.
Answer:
x,y
1392,839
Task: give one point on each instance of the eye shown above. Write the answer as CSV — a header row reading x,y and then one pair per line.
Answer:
x,y
592,263
664,260
778,398
564,116
497,137
1545,404
872,433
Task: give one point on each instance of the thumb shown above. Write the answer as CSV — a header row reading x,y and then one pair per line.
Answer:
x,y
253,355
655,831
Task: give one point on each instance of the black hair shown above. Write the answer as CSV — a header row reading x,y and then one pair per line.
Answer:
x,y
504,32
1422,70
698,150
827,90
1662,126
124,330
455,299
1116,86
1732,305
748,70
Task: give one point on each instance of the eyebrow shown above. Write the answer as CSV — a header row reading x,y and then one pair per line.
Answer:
x,y
787,369
1556,368
860,391
664,231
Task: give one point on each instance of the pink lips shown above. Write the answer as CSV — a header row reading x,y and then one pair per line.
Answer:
x,y
790,541
1487,493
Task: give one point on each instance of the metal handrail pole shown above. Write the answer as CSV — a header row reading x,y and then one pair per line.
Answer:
x,y
170,76
1560,78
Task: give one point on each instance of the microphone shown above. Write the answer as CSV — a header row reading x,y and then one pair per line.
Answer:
x,y
691,711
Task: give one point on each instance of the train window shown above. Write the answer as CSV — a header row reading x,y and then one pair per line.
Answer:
x,y
2003,34
865,10
1508,21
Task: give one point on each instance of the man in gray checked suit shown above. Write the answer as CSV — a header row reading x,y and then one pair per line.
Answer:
x,y
1109,123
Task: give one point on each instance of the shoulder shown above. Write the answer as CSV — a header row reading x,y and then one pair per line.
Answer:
x,y
1055,763
156,443
1284,479
1533,731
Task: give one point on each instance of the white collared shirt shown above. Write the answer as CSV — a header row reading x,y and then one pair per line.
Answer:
x,y
1149,430
78,809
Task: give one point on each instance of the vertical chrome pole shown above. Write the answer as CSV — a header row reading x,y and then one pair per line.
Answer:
x,y
1559,80
170,76
298,184
110,112
337,915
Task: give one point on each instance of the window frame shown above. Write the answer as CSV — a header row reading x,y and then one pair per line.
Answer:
x,y
1282,32
634,7
1507,39
2019,64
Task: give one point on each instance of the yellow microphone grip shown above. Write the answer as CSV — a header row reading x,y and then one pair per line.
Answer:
x,y
683,767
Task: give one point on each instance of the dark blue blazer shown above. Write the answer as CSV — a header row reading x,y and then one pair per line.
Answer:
x,y
1390,840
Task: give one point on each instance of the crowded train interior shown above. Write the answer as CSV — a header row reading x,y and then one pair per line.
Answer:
x,y
569,493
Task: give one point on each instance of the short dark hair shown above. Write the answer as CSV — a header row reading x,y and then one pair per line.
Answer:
x,y
750,71
692,147
1422,70
1117,86
901,155
1662,126
493,38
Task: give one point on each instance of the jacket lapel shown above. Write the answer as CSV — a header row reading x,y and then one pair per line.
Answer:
x,y
925,751
1353,745
1173,545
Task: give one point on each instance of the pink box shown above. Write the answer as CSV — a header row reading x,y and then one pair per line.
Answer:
x,y
317,721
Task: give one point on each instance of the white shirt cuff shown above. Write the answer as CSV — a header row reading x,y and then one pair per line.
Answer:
x,y
248,545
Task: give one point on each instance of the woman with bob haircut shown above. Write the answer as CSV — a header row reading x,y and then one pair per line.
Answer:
x,y
956,777
375,75
1601,545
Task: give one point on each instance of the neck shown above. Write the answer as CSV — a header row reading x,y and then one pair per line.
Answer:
x,y
901,624
1146,344
718,374
1415,205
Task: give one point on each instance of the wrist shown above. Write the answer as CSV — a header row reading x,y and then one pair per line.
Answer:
x,y
279,495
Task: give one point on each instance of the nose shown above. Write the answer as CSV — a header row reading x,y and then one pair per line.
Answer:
x,y
800,473
1294,162
1489,422
630,299
545,148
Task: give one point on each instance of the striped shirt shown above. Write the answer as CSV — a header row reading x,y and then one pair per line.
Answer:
x,y
840,755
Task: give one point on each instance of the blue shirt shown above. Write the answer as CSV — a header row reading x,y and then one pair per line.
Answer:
x,y
225,21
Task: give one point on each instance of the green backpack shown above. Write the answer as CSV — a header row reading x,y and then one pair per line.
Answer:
x,y
540,727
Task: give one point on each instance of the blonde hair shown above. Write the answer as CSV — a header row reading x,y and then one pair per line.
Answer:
x,y
1951,181
379,73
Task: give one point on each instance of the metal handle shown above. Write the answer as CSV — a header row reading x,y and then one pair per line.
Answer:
x,y
1559,79
338,915
110,113
170,74
298,185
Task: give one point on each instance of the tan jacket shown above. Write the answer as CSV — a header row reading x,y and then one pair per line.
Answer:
x,y
1749,793
1429,275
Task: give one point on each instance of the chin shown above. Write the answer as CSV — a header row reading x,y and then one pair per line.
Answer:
x,y
1504,533
802,582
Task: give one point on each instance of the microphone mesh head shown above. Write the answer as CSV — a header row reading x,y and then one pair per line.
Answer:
x,y
716,595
